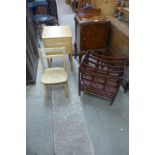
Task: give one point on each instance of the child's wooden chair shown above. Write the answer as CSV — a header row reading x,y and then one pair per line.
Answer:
x,y
53,75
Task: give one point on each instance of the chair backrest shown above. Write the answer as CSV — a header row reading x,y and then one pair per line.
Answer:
x,y
41,7
53,8
48,53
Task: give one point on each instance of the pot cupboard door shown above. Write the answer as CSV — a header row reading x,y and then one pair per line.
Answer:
x,y
94,36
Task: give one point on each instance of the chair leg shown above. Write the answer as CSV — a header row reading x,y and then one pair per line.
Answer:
x,y
49,61
75,50
66,89
79,83
80,57
79,92
46,90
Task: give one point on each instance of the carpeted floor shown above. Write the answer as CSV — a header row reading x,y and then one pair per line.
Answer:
x,y
71,135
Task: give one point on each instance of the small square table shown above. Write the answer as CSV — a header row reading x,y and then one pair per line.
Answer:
x,y
58,35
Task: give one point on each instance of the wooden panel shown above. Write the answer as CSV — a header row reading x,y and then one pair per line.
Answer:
x,y
48,43
81,12
118,42
107,6
94,36
93,32
121,26
56,32
93,2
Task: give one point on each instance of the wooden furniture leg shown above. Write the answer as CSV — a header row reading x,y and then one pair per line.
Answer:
x,y
49,61
46,90
80,57
79,83
71,61
66,89
75,50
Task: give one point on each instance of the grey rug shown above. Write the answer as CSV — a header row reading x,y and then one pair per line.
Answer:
x,y
71,135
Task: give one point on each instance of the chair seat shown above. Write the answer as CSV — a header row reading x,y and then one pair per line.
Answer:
x,y
54,76
42,18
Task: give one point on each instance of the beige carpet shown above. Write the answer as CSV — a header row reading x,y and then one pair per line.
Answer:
x,y
71,135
